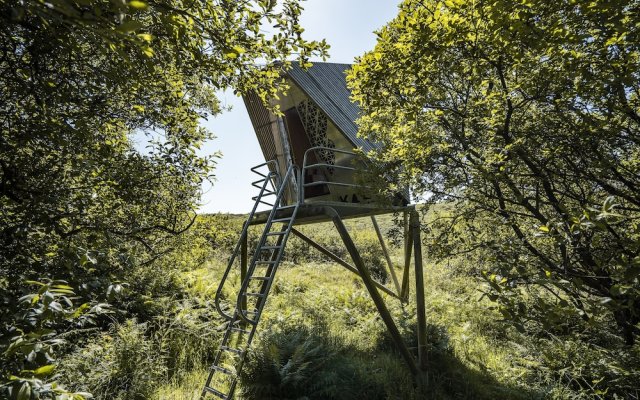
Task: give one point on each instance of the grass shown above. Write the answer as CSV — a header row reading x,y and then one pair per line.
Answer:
x,y
470,355
321,336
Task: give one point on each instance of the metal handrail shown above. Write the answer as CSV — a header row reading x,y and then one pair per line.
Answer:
x,y
275,167
291,171
245,228
305,167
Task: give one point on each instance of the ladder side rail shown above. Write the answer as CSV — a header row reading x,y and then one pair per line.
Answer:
x,y
252,265
234,255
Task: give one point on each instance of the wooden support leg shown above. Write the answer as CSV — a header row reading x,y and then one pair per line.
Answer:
x,y
420,306
386,254
377,299
408,242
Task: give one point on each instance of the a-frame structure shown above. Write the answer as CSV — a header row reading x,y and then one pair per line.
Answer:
x,y
310,176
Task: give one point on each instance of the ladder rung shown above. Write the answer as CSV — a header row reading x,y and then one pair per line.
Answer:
x,y
240,330
254,294
232,350
270,247
258,181
265,194
276,233
265,262
281,220
260,278
222,369
215,392
286,207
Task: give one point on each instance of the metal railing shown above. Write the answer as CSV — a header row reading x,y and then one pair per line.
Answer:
x,y
306,167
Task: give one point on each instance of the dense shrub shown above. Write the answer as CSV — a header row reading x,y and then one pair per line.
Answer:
x,y
123,364
133,358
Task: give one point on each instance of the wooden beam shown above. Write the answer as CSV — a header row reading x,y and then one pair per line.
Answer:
x,y
408,243
420,306
371,287
386,254
337,259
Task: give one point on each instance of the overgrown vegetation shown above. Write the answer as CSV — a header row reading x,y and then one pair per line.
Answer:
x,y
518,121
524,117
85,213
321,337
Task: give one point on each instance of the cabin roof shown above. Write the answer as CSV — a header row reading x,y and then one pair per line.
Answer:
x,y
326,85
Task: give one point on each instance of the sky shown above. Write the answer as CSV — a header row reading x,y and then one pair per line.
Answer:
x,y
348,26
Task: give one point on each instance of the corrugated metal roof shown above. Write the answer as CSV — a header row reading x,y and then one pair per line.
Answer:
x,y
326,85
262,124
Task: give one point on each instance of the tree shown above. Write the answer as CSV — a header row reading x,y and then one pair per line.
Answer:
x,y
524,117
80,82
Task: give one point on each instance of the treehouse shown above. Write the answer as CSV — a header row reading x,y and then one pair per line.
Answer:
x,y
317,134
311,174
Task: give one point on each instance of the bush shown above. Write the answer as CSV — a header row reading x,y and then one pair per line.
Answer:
x,y
124,364
188,337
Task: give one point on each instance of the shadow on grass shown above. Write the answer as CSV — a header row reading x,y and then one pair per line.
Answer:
x,y
448,377
307,363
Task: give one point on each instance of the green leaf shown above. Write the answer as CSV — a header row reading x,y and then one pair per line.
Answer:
x,y
148,51
138,5
34,283
44,370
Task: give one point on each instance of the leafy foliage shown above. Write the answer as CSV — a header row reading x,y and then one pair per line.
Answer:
x,y
99,154
287,366
524,117
48,317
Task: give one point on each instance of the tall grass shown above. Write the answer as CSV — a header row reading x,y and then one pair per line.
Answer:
x,y
321,337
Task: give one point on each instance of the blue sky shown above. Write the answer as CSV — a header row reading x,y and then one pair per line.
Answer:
x,y
348,26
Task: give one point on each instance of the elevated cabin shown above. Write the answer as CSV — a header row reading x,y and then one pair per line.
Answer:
x,y
317,133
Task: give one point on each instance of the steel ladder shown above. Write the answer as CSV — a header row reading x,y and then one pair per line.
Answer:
x,y
252,296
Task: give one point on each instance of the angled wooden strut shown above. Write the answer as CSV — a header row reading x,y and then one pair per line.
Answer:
x,y
392,270
337,259
408,243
